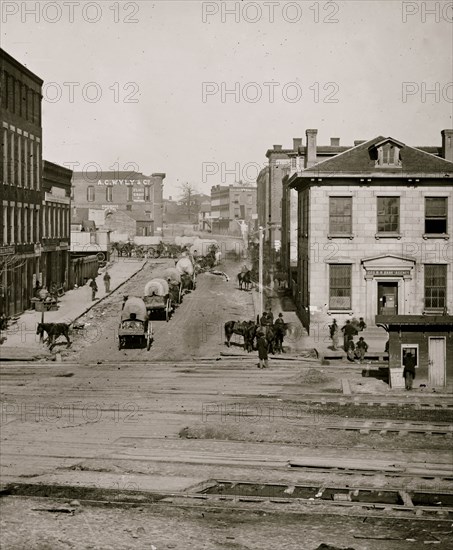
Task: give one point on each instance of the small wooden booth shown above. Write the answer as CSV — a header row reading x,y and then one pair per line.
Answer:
x,y
428,338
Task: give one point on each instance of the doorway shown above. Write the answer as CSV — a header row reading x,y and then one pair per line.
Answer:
x,y
437,361
388,298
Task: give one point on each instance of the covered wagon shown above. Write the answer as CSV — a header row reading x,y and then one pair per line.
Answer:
x,y
134,324
157,298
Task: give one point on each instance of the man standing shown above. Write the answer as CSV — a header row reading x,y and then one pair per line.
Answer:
x,y
262,351
107,282
361,349
94,288
348,333
409,363
334,330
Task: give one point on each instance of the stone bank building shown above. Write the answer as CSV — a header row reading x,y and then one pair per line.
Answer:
x,y
375,228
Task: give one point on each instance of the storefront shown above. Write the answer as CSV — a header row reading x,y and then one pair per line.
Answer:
x,y
428,339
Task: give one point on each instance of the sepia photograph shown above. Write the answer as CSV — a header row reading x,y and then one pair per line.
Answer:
x,y
226,274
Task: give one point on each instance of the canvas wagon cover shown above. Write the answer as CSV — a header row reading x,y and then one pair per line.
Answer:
x,y
173,274
184,265
134,305
202,246
156,286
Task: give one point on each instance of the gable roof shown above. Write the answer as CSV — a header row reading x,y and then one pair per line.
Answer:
x,y
358,161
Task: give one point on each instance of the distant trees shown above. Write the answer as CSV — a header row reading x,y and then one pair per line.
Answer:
x,y
188,193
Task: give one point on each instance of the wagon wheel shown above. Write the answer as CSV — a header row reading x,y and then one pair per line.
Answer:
x,y
180,294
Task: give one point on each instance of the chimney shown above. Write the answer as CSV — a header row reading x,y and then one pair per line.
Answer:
x,y
157,180
335,142
297,142
447,145
277,147
358,142
310,157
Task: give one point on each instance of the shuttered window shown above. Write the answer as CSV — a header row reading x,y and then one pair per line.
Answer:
x,y
435,286
340,287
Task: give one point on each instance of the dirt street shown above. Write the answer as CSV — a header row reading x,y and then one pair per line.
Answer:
x,y
168,420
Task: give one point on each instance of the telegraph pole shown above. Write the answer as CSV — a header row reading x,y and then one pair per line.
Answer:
x,y
260,268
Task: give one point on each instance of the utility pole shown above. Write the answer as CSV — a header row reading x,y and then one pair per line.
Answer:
x,y
260,268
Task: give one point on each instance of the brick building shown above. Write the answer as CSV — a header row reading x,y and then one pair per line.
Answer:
x,y
230,205
374,231
277,203
56,225
21,194
106,192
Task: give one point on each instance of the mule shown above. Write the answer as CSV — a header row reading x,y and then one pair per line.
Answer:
x,y
245,278
54,331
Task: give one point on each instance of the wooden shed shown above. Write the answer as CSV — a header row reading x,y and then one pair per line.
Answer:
x,y
428,338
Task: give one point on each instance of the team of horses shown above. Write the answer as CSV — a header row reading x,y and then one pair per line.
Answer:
x,y
249,330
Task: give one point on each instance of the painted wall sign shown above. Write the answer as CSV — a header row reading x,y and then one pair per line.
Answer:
x,y
387,272
124,182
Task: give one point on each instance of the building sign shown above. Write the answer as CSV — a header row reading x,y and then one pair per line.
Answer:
x,y
4,250
124,182
389,272
138,195
50,197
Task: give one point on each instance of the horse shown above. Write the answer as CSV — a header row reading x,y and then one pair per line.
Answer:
x,y
54,331
187,283
246,329
245,278
280,333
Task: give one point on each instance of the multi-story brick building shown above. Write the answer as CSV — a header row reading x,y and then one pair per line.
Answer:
x,y
374,232
21,194
230,206
105,192
277,204
56,225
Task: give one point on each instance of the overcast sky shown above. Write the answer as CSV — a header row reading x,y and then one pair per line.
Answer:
x,y
362,69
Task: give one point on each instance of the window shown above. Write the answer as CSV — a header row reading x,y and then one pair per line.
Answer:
x,y
388,214
436,215
129,193
340,287
147,193
435,286
109,194
340,215
90,193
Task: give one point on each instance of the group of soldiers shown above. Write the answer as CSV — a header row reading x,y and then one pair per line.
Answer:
x,y
355,351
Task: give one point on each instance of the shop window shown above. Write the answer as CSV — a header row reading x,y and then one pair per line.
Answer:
x,y
340,287
407,349
388,214
435,286
90,193
436,215
109,194
340,215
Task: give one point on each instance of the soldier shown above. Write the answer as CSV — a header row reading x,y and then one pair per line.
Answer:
x,y
334,334
361,349
348,332
409,363
94,288
107,282
262,351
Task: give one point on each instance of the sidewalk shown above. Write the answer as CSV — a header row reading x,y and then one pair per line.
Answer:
x,y
22,342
